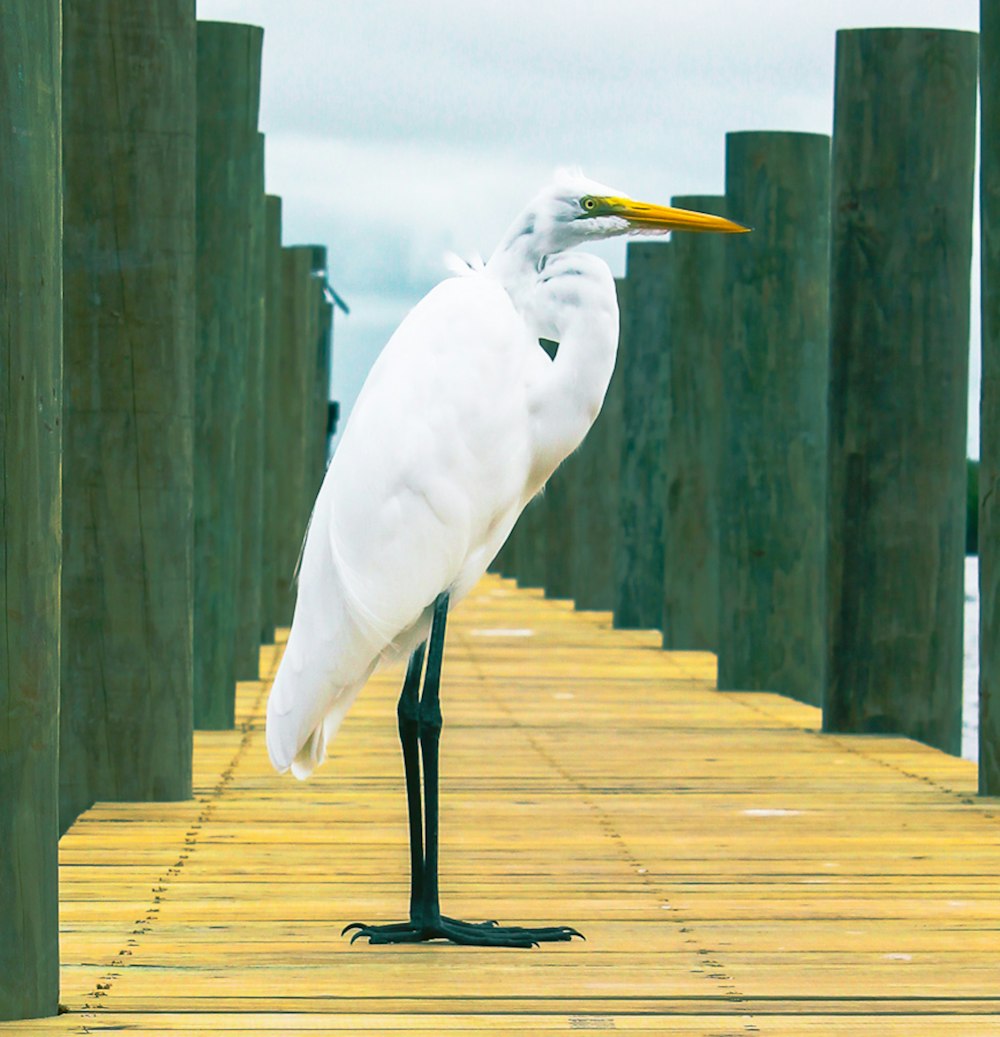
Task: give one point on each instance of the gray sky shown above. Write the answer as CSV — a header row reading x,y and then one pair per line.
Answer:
x,y
399,130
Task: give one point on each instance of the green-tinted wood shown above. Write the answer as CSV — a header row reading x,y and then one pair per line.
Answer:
x,y
904,141
294,369
250,448
273,416
989,471
228,89
772,505
698,333
642,366
596,518
30,509
561,502
129,154
319,385
532,543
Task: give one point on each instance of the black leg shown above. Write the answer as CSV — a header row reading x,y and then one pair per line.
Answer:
x,y
424,723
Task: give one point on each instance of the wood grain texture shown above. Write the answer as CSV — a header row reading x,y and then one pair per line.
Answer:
x,y
596,517
772,503
989,440
229,57
903,162
250,447
642,363
734,870
319,378
293,391
273,417
30,503
128,253
698,335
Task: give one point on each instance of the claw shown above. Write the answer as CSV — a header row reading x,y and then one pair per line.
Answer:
x,y
357,936
353,925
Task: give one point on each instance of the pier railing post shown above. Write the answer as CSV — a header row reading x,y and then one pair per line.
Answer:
x,y
642,363
274,417
772,504
292,389
250,449
228,99
30,504
320,375
127,580
698,335
989,465
903,155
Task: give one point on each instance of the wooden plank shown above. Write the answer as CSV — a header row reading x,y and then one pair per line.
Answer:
x,y
903,163
30,503
989,437
758,877
772,623
229,58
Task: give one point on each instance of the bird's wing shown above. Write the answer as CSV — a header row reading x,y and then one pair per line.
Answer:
x,y
435,455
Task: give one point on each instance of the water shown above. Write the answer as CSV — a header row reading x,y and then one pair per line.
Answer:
x,y
970,698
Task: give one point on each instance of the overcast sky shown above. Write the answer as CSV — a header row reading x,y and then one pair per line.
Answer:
x,y
399,130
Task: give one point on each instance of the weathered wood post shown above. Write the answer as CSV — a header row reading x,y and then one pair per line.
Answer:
x,y
319,380
273,416
298,344
903,156
129,172
698,332
30,505
250,449
596,517
532,543
772,503
989,471
228,99
561,502
642,363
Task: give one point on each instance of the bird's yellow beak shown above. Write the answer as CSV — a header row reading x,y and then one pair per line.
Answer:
x,y
643,215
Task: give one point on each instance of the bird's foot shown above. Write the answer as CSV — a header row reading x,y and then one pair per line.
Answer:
x,y
469,934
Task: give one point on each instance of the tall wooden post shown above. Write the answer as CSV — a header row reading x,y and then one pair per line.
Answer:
x,y
772,503
642,361
30,508
903,156
273,416
228,98
989,471
129,147
562,493
250,448
298,345
698,335
532,543
319,379
596,520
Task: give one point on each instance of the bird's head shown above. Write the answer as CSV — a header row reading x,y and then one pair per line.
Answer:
x,y
573,210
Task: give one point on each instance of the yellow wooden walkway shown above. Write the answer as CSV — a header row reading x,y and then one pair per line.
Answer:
x,y
734,871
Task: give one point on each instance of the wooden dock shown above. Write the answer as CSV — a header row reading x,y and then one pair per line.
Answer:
x,y
735,872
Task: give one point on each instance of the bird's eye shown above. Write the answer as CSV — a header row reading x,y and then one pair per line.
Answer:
x,y
590,204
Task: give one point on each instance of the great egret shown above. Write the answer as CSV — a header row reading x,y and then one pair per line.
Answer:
x,y
460,422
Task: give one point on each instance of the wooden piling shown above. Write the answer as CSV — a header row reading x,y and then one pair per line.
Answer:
x,y
273,415
698,333
297,363
596,519
30,504
228,97
250,448
904,142
639,545
989,471
129,171
771,508
561,502
320,377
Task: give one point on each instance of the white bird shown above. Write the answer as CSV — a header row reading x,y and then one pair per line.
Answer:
x,y
460,422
